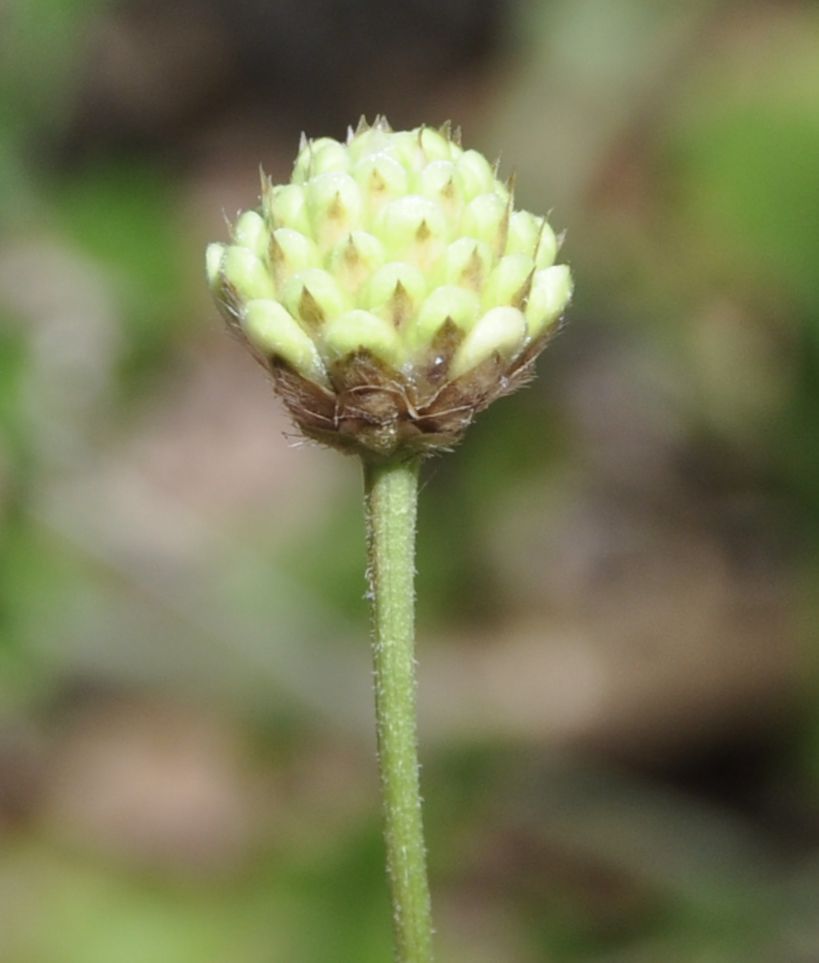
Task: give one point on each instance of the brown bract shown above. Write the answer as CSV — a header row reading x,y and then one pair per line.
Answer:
x,y
376,412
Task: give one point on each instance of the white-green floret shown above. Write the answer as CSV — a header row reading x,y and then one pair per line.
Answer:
x,y
385,246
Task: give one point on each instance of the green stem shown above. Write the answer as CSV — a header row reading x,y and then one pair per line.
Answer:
x,y
391,501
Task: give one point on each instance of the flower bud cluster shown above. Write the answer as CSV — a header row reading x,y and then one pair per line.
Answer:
x,y
391,288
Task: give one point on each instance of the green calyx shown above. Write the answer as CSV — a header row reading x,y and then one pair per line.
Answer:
x,y
398,246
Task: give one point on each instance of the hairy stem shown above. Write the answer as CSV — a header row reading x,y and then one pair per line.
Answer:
x,y
391,500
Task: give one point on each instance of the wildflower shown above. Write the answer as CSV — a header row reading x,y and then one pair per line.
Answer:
x,y
391,288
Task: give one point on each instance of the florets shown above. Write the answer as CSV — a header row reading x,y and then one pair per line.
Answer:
x,y
391,288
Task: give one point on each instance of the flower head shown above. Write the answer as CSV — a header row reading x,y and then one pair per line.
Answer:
x,y
391,288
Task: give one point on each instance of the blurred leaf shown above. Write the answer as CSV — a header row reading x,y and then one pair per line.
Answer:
x,y
124,216
40,50
746,155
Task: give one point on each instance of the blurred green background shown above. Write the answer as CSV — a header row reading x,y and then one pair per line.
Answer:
x,y
617,571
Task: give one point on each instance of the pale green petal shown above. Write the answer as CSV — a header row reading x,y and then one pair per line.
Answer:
x,y
500,331
458,304
250,231
357,330
335,205
292,252
410,220
214,256
484,218
355,258
314,297
330,156
275,333
477,175
524,233
468,262
381,286
550,294
508,280
246,274
286,206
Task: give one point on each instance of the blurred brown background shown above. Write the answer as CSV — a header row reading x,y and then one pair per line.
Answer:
x,y
617,571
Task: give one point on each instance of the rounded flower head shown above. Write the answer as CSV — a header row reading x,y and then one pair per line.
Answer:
x,y
391,288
